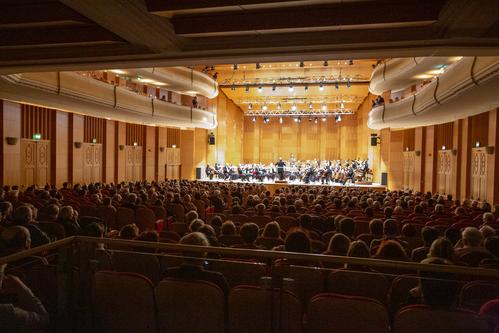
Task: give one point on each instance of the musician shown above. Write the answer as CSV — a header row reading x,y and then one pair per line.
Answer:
x,y
209,172
280,168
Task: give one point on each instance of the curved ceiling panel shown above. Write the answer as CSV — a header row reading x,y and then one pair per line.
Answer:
x,y
72,92
467,88
400,73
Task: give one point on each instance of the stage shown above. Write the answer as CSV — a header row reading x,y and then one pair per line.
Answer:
x,y
272,185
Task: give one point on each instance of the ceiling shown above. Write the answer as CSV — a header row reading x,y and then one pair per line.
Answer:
x,y
308,87
48,35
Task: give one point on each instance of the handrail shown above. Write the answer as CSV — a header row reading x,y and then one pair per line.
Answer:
x,y
37,250
298,256
401,265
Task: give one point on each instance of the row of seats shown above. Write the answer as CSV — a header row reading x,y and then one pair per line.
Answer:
x,y
130,302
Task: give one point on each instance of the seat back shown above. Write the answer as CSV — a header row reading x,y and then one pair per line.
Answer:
x,y
159,212
229,240
421,318
179,227
399,291
190,306
338,313
305,283
287,222
124,216
108,215
145,219
53,230
141,263
255,309
239,272
124,302
178,212
260,220
269,242
476,293
358,283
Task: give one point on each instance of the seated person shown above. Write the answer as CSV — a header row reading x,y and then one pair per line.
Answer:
x,y
492,245
129,231
20,309
375,231
68,219
249,234
390,231
472,252
193,266
23,216
271,236
429,235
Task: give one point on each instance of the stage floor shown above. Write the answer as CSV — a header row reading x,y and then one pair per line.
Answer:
x,y
272,185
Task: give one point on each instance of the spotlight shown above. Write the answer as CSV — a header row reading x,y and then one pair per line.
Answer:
x,y
250,106
296,119
306,87
257,65
302,64
264,107
293,107
325,63
350,62
247,88
291,88
235,67
324,106
278,106
337,85
280,120
273,87
321,87
348,83
310,105
316,120
309,119
254,119
342,105
324,119
260,89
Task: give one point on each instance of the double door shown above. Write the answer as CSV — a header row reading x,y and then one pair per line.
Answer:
x,y
35,162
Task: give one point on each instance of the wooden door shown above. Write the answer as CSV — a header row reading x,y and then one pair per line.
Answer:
x,y
88,156
138,173
408,170
173,163
97,163
129,164
478,182
28,162
444,171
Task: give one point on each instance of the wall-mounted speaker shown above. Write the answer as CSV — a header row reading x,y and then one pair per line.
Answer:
x,y
11,140
121,147
374,141
384,178
78,145
198,173
211,139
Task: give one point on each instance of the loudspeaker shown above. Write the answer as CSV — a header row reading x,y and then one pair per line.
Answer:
x,y
198,173
384,178
211,139
374,141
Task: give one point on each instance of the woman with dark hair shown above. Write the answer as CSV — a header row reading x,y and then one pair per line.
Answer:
x,y
391,250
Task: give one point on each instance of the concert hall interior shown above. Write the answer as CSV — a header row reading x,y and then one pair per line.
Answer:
x,y
203,128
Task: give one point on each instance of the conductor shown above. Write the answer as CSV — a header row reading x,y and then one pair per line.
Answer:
x,y
280,168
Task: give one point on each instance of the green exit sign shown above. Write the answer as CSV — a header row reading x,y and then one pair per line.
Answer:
x,y
94,140
36,136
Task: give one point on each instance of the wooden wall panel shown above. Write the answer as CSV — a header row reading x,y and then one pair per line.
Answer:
x,y
149,153
135,134
121,156
76,154
109,152
161,152
188,169
478,185
60,148
11,127
173,137
445,162
444,136
36,119
94,129
92,162
480,129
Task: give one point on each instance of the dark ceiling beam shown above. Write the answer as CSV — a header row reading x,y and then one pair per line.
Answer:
x,y
55,35
131,21
334,15
32,13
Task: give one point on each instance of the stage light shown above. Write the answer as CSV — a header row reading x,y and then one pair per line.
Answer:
x,y
477,144
257,65
273,87
337,85
443,147
342,105
260,89
254,119
350,62
348,83
321,87
291,88
326,63
324,106
250,106
310,105
247,88
324,119
302,64
235,67
338,118
306,87
309,119
278,106
316,120
293,107
280,120
264,107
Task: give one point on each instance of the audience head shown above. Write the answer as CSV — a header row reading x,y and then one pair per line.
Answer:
x,y
129,231
338,245
390,227
297,241
23,215
376,227
228,228
472,237
194,238
358,249
442,248
15,239
492,244
429,234
66,213
249,233
453,235
488,218
272,230
391,250
409,230
191,216
347,227
195,225
487,231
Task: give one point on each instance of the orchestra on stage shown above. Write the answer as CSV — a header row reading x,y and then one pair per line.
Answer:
x,y
295,171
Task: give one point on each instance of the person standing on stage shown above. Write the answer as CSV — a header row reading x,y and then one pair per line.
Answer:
x,y
280,168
